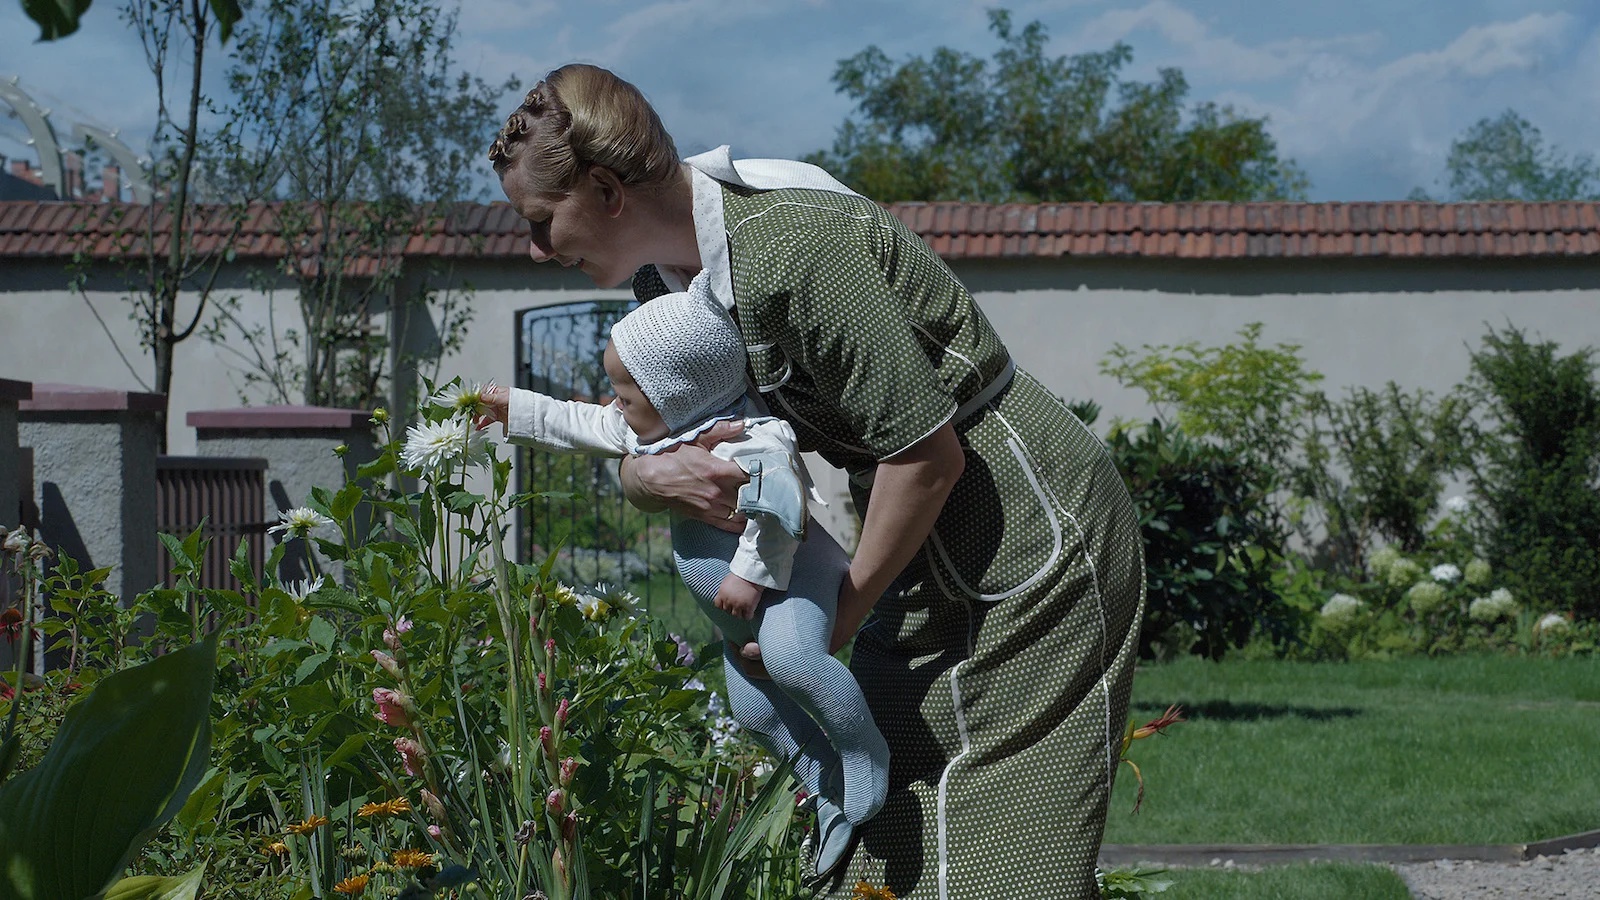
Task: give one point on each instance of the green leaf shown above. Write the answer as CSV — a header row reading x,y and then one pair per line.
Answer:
x,y
376,469
228,13
121,765
310,665
344,502
321,632
55,18
181,558
157,887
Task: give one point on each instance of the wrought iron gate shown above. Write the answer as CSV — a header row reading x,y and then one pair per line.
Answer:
x,y
597,536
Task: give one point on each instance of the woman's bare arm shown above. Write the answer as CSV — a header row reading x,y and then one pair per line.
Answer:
x,y
908,491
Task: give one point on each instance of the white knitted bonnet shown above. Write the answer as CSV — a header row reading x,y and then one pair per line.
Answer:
x,y
685,353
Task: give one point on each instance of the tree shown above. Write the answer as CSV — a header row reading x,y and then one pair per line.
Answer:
x,y
352,115
1028,127
165,260
1505,158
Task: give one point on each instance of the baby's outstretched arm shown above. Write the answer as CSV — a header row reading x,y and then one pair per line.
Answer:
x,y
564,426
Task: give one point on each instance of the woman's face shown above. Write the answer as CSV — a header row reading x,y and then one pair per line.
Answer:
x,y
577,228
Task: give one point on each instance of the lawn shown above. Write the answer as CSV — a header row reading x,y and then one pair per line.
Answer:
x,y
1470,750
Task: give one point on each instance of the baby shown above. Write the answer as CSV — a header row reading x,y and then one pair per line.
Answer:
x,y
677,367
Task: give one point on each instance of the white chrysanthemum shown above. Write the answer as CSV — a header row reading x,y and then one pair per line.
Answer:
x,y
460,398
564,595
1341,608
1445,573
1457,505
300,590
593,608
620,599
1403,572
1426,597
1478,572
1498,605
430,445
1552,622
299,522
1382,560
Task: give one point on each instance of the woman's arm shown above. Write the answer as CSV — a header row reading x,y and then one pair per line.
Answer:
x,y
908,491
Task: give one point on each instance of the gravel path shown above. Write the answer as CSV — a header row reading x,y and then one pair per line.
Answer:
x,y
1573,874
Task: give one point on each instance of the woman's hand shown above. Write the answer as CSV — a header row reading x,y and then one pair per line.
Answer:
x,y
853,610
689,480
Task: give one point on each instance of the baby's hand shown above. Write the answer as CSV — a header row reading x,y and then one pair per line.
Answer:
x,y
738,597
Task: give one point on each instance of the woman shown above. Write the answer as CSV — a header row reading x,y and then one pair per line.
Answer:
x,y
999,553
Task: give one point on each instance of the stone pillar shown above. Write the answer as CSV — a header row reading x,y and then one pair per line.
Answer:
x,y
298,443
94,478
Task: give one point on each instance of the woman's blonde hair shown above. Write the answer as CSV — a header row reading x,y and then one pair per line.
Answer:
x,y
581,116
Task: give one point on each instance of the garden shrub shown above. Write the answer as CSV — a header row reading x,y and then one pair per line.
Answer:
x,y
1375,464
1534,443
1211,547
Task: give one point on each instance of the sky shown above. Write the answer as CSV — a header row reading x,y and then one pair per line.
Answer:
x,y
1365,95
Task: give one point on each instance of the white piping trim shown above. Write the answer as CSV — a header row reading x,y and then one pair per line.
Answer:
x,y
1046,501
944,776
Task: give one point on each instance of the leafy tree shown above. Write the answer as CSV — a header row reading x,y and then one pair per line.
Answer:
x,y
353,116
1029,127
1505,158
163,259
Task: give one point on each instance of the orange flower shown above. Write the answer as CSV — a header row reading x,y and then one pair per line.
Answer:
x,y
412,859
353,885
394,807
309,825
864,891
276,848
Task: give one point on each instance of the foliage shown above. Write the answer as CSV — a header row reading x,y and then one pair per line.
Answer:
x,y
1505,158
1534,444
157,714
354,117
1210,545
1028,127
1375,464
58,18
529,736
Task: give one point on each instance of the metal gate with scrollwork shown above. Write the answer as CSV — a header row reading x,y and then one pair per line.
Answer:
x,y
582,516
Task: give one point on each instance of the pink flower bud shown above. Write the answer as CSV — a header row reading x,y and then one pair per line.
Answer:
x,y
569,768
412,756
569,827
554,801
391,635
558,861
435,833
394,708
547,741
387,663
562,707
550,648
543,687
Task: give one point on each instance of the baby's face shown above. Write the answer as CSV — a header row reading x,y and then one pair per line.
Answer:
x,y
637,411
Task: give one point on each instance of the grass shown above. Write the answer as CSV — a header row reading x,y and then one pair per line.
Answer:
x,y
1470,750
1315,881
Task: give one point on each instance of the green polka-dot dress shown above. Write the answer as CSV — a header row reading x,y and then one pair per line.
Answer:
x,y
999,664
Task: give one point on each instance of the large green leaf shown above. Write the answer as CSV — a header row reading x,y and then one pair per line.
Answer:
x,y
121,765
56,18
156,887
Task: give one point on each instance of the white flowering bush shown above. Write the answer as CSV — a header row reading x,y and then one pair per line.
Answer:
x,y
1341,609
1498,605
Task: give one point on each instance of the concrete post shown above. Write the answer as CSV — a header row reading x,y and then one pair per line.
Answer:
x,y
298,443
94,478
